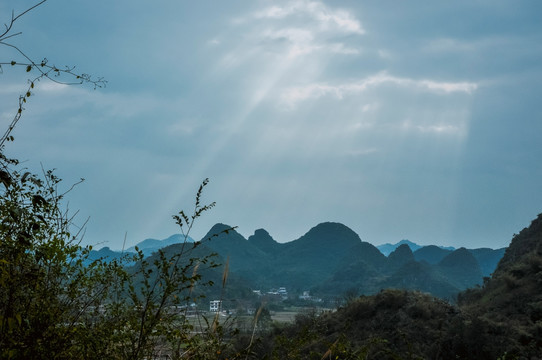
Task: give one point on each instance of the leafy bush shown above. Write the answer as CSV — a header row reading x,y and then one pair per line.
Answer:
x,y
53,301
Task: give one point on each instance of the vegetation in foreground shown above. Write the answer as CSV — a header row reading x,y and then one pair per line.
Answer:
x,y
54,304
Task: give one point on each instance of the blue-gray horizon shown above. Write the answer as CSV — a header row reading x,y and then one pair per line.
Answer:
x,y
416,120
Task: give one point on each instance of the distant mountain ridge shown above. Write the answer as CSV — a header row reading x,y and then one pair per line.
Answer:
x,y
148,246
151,245
331,259
388,248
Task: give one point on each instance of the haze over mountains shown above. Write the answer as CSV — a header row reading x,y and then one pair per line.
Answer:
x,y
387,248
331,259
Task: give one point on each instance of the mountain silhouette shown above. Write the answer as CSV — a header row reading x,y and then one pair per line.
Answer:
x,y
461,269
400,256
331,259
388,248
431,253
148,246
263,241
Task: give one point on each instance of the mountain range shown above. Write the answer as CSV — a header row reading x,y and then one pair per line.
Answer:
x,y
388,248
331,259
501,319
147,246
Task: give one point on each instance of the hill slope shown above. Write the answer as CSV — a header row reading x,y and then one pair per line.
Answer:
x,y
510,302
500,320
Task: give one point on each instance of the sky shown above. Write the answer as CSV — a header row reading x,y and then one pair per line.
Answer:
x,y
416,120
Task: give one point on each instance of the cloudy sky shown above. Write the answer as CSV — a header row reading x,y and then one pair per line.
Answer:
x,y
414,120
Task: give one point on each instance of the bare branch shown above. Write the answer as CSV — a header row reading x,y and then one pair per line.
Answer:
x,y
50,72
14,18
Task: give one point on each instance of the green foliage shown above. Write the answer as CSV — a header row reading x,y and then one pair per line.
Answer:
x,y
510,302
54,302
42,276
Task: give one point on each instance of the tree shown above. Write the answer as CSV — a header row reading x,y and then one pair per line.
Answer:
x,y
54,302
45,289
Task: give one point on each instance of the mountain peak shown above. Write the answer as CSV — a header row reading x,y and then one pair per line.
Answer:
x,y
217,230
400,256
528,241
150,245
262,233
402,251
460,257
432,254
462,267
262,240
388,248
326,232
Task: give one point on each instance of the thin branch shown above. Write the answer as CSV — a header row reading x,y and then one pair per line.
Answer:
x,y
14,18
51,72
27,10
10,36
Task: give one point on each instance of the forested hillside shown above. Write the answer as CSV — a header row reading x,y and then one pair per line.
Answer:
x,y
331,259
499,320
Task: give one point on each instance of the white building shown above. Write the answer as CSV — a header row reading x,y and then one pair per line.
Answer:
x,y
283,293
215,305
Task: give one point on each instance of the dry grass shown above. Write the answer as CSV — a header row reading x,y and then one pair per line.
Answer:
x,y
283,316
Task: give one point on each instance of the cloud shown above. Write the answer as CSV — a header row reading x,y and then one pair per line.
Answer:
x,y
292,35
274,12
454,126
340,48
297,29
325,17
447,87
302,41
294,95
